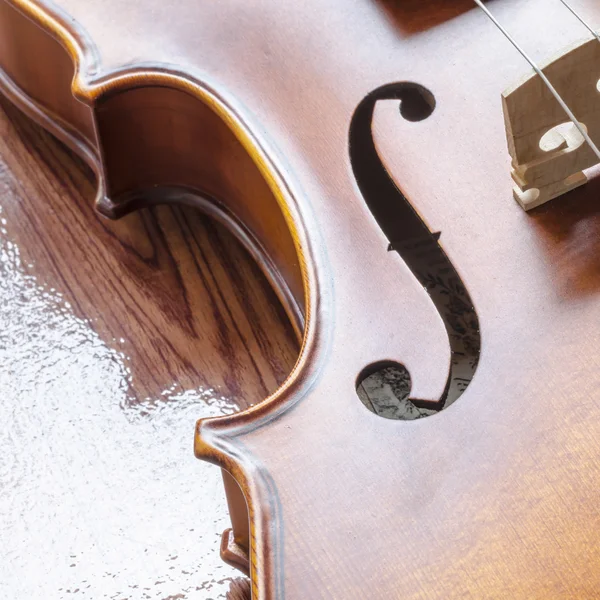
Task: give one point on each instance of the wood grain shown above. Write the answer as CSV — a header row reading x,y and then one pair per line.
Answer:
x,y
198,307
495,497
192,305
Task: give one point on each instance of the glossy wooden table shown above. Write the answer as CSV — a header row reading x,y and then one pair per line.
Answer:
x,y
114,338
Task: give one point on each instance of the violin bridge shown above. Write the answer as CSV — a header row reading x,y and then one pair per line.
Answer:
x,y
549,154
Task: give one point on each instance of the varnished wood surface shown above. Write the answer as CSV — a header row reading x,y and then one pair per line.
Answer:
x,y
496,496
167,287
166,277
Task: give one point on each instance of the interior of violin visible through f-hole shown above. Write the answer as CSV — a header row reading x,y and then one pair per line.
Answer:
x,y
384,387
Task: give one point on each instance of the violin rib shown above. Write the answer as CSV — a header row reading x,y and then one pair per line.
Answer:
x,y
58,88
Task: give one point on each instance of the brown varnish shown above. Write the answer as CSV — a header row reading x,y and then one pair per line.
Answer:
x,y
244,109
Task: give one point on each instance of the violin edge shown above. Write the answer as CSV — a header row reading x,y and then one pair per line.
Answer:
x,y
88,87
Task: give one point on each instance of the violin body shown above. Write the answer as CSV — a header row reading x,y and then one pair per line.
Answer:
x,y
325,135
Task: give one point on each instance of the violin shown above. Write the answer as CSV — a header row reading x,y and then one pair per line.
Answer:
x,y
368,154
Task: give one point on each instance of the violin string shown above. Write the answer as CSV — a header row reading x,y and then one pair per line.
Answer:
x,y
542,76
582,20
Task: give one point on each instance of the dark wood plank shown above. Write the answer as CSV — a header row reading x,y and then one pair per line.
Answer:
x,y
189,319
168,277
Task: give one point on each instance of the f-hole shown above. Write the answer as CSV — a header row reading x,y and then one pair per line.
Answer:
x,y
384,388
421,251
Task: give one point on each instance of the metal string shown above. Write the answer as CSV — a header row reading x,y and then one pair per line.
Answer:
x,y
543,77
582,20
